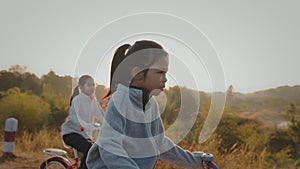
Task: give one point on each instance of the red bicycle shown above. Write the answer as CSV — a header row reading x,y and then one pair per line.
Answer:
x,y
59,159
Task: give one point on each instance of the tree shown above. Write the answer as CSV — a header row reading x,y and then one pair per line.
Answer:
x,y
18,68
31,83
30,110
25,81
59,106
293,118
9,80
229,96
173,104
228,132
61,85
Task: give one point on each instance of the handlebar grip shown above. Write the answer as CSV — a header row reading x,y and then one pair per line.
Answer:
x,y
207,157
212,165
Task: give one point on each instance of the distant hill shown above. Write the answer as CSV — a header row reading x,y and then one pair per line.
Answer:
x,y
268,105
288,93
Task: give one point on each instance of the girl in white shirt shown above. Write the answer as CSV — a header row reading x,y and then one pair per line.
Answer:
x,y
78,127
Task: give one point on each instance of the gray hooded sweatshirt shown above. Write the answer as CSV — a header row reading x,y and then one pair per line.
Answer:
x,y
133,137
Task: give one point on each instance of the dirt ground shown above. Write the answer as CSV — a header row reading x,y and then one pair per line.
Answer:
x,y
23,161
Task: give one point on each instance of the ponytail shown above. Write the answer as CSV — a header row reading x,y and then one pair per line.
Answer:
x,y
142,60
82,80
118,57
75,93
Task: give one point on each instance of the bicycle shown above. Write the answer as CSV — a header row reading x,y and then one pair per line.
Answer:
x,y
59,159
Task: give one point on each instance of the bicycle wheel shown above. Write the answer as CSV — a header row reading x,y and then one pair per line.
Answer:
x,y
54,163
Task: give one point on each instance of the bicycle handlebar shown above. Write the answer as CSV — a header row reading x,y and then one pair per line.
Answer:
x,y
207,160
212,165
206,156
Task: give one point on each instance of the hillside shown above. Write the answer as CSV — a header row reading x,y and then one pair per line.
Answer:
x,y
288,93
268,105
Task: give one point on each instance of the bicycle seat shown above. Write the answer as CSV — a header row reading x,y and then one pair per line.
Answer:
x,y
54,151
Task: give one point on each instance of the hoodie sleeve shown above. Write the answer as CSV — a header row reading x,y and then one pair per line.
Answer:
x,y
173,153
84,113
98,112
111,141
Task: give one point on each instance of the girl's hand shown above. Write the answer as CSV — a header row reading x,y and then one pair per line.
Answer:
x,y
207,157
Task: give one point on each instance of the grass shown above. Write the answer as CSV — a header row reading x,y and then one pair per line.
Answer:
x,y
31,145
37,141
29,148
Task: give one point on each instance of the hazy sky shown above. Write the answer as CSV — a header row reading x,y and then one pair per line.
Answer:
x,y
257,41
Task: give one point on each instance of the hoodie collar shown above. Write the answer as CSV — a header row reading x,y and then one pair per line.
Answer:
x,y
136,95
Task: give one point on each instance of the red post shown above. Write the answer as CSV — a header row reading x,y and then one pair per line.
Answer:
x,y
9,137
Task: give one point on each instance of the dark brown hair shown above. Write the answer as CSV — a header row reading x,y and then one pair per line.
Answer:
x,y
141,54
82,80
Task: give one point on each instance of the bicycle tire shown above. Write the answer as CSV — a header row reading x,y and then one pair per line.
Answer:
x,y
54,163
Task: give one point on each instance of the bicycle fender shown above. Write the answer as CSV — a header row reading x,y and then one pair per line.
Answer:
x,y
60,158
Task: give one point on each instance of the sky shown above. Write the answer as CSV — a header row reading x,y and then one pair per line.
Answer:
x,y
256,42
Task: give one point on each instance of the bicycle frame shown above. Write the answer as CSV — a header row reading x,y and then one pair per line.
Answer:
x,y
60,156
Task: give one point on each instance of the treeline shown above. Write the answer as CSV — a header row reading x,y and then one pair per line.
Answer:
x,y
39,102
36,102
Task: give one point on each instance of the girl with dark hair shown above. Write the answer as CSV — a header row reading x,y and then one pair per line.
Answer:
x,y
132,135
78,127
